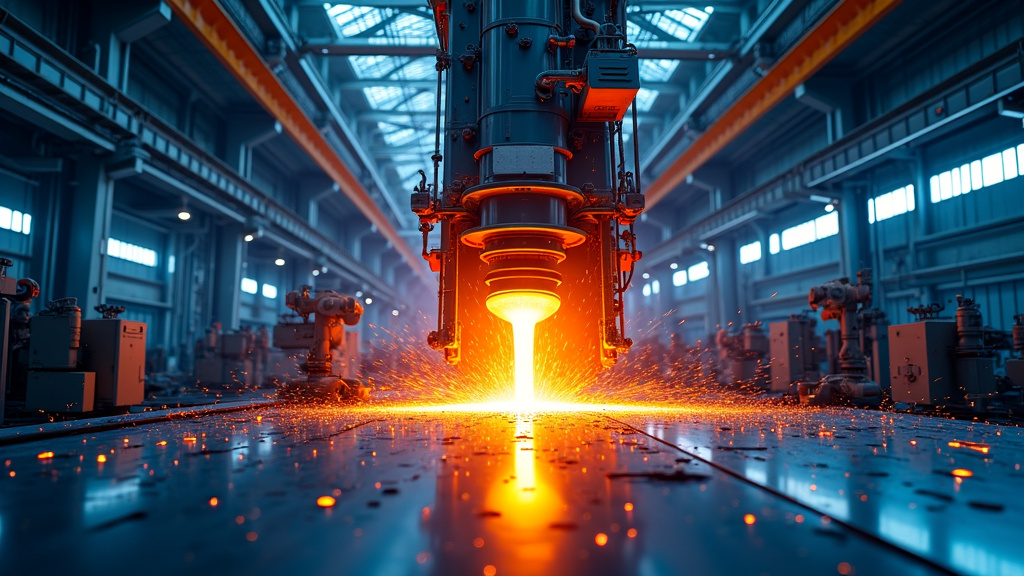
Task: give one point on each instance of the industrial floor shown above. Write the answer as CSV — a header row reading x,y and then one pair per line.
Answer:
x,y
716,489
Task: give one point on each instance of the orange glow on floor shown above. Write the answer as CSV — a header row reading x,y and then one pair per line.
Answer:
x,y
523,310
44,455
962,473
325,501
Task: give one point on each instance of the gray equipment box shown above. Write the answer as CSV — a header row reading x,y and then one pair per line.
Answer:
x,y
60,391
787,352
50,343
116,350
1015,371
921,361
297,336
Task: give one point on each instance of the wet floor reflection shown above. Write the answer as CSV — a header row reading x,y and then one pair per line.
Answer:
x,y
945,490
376,492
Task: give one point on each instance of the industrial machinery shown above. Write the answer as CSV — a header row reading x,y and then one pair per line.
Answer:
x,y
80,365
115,350
796,352
229,359
55,384
537,203
1015,366
840,300
13,323
739,356
331,311
938,362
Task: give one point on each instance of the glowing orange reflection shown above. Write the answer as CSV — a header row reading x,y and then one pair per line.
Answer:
x,y
529,503
523,310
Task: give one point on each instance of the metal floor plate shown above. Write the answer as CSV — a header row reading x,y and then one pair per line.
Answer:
x,y
747,491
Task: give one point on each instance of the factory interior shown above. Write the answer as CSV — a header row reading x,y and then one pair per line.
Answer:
x,y
512,287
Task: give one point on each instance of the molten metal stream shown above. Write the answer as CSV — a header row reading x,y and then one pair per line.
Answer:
x,y
523,310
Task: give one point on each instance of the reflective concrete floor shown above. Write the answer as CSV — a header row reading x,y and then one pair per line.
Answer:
x,y
709,490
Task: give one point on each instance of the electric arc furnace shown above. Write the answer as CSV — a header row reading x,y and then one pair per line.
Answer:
x,y
533,188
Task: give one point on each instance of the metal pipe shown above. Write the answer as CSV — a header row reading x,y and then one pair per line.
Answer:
x,y
582,20
546,81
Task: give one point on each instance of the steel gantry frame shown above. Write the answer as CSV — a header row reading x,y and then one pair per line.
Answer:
x,y
214,27
844,24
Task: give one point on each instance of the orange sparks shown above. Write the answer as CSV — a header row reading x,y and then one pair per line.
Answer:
x,y
799,518
252,536
631,532
628,507
601,539
214,501
490,570
478,542
325,501
162,443
913,442
976,446
844,568
962,473
749,519
101,458
44,455
189,438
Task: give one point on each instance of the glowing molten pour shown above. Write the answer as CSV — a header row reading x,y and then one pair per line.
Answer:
x,y
523,310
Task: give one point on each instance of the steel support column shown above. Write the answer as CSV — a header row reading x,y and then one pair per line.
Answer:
x,y
228,277
88,231
831,36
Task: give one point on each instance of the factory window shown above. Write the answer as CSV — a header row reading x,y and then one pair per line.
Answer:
x,y
899,201
699,271
978,174
655,286
810,231
679,278
773,244
15,221
249,285
131,252
269,291
647,289
750,252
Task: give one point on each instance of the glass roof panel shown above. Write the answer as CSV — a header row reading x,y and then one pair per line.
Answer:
x,y
376,66
353,20
649,28
645,99
407,28
652,70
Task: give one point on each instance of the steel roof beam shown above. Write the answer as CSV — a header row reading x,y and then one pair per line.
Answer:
x,y
837,30
208,21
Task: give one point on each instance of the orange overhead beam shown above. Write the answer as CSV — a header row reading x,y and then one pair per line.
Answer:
x,y
212,25
844,24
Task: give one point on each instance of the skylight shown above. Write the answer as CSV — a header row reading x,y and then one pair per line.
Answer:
x,y
392,26
656,28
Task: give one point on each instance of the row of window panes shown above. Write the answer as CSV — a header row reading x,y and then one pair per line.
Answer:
x,y
652,287
15,221
802,234
698,271
250,286
978,174
750,252
899,201
131,252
